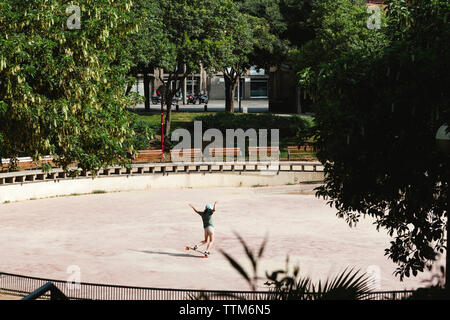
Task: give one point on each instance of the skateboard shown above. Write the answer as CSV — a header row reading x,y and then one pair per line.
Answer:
x,y
187,248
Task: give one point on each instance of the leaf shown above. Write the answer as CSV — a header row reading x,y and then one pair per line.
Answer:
x,y
248,252
237,266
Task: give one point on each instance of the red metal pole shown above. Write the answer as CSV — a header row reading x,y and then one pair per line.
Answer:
x,y
162,123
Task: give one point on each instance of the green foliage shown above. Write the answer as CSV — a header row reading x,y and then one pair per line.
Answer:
x,y
243,37
288,126
263,34
99,192
295,15
434,289
61,90
269,24
287,285
135,98
190,34
347,285
253,256
380,96
144,133
147,38
341,34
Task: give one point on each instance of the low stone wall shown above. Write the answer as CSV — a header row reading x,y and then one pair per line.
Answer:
x,y
25,185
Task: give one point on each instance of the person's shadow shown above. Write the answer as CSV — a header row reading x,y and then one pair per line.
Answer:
x,y
185,255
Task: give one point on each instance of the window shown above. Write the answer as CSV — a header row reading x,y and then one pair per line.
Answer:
x,y
259,88
257,72
193,85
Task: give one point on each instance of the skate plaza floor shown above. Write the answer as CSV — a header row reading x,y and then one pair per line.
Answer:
x,y
138,238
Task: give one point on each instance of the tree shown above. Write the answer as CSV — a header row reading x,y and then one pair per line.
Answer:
x,y
339,29
270,48
380,96
61,90
194,33
295,15
145,45
235,62
276,27
255,42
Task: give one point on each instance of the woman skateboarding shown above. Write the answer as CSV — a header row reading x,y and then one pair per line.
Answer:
x,y
207,225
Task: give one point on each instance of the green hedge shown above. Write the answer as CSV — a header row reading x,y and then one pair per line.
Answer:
x,y
293,129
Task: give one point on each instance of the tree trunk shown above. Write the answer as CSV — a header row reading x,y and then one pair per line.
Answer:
x,y
229,92
231,81
233,93
169,93
299,101
184,88
128,90
168,116
147,90
239,89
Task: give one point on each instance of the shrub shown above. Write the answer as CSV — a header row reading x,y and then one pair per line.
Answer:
x,y
143,134
289,126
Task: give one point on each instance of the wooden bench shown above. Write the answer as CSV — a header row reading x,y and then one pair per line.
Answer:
x,y
225,152
25,163
293,150
22,163
4,164
186,154
266,151
48,160
148,155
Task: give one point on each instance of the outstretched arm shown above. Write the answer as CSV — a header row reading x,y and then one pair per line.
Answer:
x,y
214,208
190,205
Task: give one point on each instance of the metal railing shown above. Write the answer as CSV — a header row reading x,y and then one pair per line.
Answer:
x,y
55,293
18,284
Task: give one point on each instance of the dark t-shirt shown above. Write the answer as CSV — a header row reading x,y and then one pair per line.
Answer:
x,y
207,218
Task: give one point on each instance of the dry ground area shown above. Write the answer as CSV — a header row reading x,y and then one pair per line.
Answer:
x,y
138,238
5,296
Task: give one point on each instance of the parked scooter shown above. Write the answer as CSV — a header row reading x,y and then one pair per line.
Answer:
x,y
203,99
157,99
191,99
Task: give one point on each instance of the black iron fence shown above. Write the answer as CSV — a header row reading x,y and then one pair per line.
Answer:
x,y
48,288
23,285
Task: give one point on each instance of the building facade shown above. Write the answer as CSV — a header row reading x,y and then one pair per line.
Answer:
x,y
254,85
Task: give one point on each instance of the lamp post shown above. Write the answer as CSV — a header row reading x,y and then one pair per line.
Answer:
x,y
443,145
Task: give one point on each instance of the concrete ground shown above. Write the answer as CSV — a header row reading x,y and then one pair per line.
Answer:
x,y
138,238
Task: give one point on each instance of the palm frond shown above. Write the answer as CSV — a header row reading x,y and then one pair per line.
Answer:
x,y
238,267
248,252
347,285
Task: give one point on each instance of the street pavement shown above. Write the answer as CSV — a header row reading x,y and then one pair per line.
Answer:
x,y
253,106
